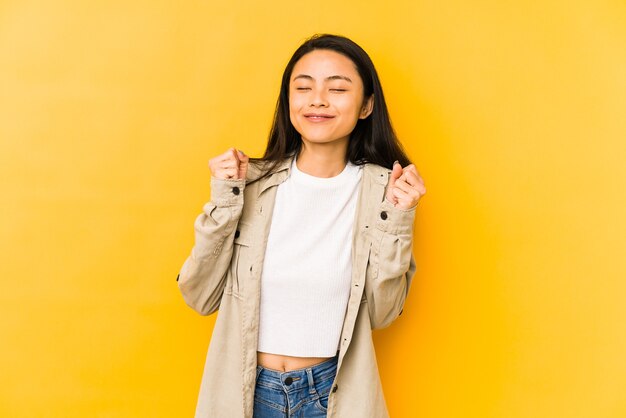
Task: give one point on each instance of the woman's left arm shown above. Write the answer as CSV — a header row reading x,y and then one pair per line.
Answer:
x,y
391,265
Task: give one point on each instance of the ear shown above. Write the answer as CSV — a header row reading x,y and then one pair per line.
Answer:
x,y
368,107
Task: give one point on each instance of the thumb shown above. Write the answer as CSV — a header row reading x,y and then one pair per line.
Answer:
x,y
243,164
396,172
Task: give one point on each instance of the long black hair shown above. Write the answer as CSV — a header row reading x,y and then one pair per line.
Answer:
x,y
373,139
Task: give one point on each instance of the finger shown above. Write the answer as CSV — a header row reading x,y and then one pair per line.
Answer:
x,y
222,160
403,185
227,165
227,155
235,155
242,157
419,188
391,198
411,168
406,200
412,178
243,165
396,172
412,192
228,173
400,194
411,171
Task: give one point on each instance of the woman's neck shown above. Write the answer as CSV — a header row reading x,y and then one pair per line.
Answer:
x,y
322,161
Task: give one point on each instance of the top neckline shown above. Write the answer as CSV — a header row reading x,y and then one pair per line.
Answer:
x,y
348,172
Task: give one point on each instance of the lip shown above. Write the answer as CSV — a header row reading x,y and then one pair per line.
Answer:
x,y
318,117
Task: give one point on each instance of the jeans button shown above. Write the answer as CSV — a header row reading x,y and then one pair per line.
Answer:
x,y
288,380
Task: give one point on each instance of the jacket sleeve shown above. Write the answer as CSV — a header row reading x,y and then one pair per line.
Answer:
x,y
203,275
391,264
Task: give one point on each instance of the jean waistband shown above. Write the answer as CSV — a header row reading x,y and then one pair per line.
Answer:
x,y
299,378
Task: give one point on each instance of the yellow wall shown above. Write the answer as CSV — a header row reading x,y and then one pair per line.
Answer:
x,y
515,113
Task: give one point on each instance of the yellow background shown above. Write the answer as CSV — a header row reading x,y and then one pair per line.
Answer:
x,y
514,112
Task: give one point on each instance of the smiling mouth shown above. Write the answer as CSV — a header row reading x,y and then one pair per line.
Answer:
x,y
318,117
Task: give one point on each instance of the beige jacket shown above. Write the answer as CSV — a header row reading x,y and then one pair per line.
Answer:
x,y
224,270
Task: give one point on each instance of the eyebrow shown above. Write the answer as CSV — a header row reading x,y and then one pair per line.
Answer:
x,y
332,77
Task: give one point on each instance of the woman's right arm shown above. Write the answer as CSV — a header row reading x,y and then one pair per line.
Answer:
x,y
203,275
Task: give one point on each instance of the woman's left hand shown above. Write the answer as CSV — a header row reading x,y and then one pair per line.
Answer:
x,y
405,186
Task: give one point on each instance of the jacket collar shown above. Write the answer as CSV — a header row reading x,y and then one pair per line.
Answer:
x,y
379,174
277,176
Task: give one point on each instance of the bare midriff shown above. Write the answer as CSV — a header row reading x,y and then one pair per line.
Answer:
x,y
286,363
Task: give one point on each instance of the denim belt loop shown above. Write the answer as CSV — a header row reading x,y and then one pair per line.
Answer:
x,y
309,375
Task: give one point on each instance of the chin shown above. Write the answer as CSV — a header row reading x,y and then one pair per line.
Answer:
x,y
320,140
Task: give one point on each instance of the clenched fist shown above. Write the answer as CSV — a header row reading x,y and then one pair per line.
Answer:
x,y
233,164
405,186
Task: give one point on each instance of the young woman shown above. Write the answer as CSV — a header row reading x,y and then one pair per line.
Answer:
x,y
306,250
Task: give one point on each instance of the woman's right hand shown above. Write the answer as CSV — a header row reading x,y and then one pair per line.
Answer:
x,y
233,164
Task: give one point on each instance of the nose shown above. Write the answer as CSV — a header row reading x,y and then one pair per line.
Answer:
x,y
318,98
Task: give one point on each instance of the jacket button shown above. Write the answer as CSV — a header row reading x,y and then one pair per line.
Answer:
x,y
237,234
177,277
383,215
288,380
236,190
335,388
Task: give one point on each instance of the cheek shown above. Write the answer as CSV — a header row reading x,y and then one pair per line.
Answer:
x,y
296,101
346,101
293,110
293,105
350,106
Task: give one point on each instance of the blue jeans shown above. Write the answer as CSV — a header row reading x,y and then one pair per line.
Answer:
x,y
301,393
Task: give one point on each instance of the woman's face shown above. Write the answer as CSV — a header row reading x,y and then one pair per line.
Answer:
x,y
326,97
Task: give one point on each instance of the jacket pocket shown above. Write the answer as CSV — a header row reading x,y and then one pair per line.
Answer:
x,y
240,266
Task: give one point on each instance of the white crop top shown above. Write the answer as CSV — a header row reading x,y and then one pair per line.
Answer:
x,y
305,282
